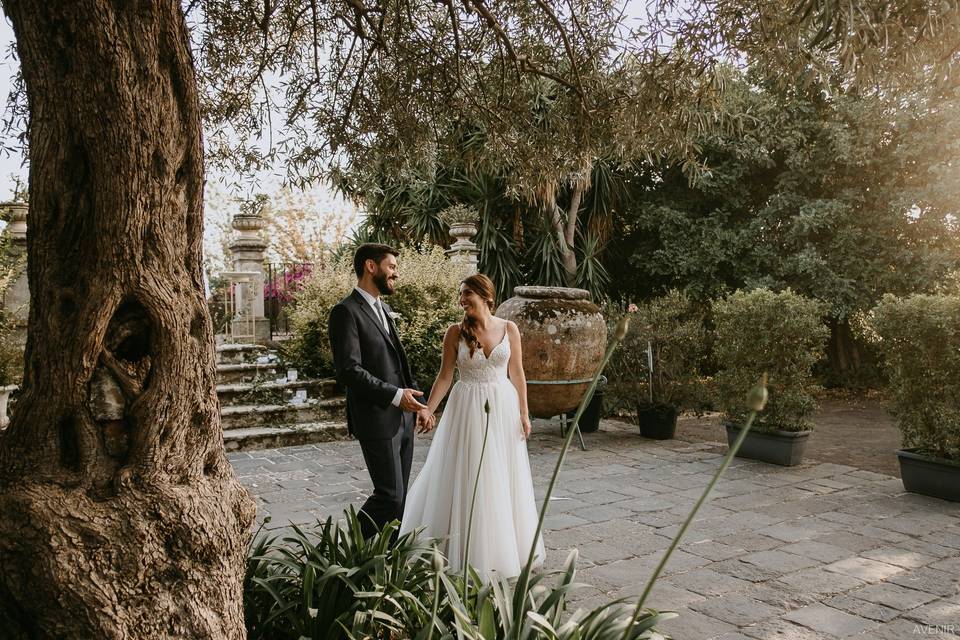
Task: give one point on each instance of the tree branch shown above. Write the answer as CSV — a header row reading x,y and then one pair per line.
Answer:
x,y
566,46
455,28
494,24
362,13
316,43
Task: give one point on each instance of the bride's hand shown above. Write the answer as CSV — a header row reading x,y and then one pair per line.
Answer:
x,y
525,425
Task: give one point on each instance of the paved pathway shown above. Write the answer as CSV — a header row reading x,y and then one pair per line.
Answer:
x,y
818,551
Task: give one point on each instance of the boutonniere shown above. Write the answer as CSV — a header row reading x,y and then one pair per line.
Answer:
x,y
394,315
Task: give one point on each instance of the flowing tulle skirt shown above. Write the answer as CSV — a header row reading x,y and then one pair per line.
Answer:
x,y
505,516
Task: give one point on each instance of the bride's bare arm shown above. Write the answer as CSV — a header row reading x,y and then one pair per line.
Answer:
x,y
517,377
448,362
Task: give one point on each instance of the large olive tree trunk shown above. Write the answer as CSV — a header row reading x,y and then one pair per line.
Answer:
x,y
120,516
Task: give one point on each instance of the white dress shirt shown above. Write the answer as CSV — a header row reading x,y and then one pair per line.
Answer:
x,y
377,306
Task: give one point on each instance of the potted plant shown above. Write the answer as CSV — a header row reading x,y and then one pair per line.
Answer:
x,y
782,335
919,337
656,371
590,420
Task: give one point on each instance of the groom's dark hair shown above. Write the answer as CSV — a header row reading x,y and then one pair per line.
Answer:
x,y
371,251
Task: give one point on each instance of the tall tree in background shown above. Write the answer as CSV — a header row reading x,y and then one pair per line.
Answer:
x,y
839,194
519,242
119,515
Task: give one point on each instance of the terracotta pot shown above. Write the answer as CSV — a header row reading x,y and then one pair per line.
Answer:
x,y
564,336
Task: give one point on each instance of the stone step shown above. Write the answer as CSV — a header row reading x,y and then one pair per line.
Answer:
x,y
283,435
239,353
273,392
247,372
246,416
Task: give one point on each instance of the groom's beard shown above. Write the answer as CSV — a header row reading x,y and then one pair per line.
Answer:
x,y
384,286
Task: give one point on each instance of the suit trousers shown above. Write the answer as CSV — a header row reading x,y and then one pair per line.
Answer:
x,y
388,462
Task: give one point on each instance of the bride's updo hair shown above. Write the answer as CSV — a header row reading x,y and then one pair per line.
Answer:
x,y
483,287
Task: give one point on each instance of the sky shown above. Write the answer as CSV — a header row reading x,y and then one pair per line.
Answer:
x,y
9,165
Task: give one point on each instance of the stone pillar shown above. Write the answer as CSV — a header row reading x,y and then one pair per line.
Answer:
x,y
464,251
16,298
247,253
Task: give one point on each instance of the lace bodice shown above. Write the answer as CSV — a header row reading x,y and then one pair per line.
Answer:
x,y
479,368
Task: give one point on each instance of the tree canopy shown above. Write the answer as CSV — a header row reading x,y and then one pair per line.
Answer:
x,y
839,195
542,88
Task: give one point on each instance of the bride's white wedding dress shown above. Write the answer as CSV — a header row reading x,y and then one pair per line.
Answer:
x,y
505,517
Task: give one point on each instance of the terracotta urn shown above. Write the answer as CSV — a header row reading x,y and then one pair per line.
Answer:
x,y
564,337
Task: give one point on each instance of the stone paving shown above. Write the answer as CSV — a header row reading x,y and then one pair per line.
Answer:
x,y
817,551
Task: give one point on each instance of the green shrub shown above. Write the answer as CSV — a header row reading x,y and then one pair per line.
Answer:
x,y
920,340
673,328
425,299
781,334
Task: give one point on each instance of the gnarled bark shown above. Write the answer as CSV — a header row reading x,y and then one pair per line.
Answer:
x,y
120,516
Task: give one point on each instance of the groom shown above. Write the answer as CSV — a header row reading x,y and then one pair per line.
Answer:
x,y
382,398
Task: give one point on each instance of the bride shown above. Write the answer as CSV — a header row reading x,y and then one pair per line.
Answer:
x,y
486,351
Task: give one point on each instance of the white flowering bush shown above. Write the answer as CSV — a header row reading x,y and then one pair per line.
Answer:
x,y
425,301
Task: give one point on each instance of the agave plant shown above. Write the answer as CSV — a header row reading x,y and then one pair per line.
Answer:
x,y
492,613
331,582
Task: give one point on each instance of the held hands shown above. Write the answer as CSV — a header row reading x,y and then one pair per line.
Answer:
x,y
409,402
426,421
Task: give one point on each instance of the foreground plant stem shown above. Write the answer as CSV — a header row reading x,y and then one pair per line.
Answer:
x,y
757,399
473,503
523,583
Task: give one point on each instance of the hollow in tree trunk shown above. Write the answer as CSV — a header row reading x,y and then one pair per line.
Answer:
x,y
120,516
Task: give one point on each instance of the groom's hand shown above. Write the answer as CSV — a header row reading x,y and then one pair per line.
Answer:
x,y
409,402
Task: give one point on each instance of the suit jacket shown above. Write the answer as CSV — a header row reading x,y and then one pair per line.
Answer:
x,y
372,365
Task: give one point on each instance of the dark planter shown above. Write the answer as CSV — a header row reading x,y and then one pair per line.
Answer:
x,y
778,447
657,421
590,420
928,476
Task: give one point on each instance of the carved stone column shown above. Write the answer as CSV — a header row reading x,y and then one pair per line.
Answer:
x,y
247,253
16,298
464,251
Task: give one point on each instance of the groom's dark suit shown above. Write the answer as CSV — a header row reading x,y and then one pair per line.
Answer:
x,y
371,364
